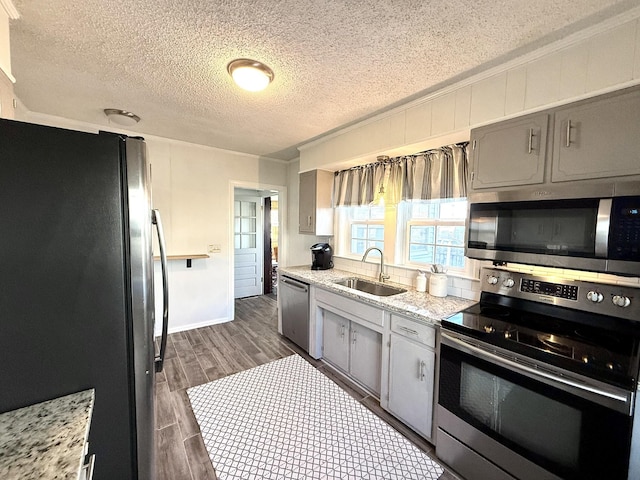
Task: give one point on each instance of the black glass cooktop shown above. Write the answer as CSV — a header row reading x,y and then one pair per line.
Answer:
x,y
597,346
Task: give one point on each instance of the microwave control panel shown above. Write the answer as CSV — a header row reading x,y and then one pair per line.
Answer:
x,y
624,236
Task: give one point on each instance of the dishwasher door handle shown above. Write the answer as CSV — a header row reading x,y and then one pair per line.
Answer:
x,y
294,284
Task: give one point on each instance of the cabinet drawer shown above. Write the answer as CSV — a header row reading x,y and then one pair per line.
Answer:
x,y
352,308
419,332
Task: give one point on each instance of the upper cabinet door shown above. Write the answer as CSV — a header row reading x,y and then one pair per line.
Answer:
x,y
316,210
510,153
597,139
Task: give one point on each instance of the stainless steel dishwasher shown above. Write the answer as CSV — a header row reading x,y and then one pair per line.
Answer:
x,y
294,301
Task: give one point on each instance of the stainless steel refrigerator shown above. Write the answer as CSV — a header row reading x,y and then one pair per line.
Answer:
x,y
76,284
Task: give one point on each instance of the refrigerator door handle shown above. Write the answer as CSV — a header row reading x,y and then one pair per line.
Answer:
x,y
157,221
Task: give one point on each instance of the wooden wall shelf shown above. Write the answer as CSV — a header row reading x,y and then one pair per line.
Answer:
x,y
188,258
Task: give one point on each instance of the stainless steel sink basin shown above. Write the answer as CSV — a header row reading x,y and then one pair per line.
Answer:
x,y
373,288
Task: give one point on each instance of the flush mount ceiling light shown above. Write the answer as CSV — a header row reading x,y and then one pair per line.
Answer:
x,y
121,117
250,74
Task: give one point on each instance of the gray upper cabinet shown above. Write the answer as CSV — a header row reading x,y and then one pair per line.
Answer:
x,y
316,212
509,153
598,139
588,140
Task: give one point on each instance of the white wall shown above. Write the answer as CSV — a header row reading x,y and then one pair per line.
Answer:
x,y
602,59
193,189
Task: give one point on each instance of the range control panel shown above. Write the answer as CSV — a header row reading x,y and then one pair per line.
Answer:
x,y
570,292
603,298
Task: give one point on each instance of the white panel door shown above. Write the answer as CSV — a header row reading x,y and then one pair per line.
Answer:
x,y
248,246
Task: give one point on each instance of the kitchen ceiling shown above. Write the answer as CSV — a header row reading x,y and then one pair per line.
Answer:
x,y
335,61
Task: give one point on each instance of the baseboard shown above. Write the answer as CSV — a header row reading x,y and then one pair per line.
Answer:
x,y
191,326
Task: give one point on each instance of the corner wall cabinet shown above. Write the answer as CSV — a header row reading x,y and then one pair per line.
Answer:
x,y
316,213
586,140
412,373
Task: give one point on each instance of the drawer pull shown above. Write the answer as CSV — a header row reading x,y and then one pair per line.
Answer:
x,y
408,330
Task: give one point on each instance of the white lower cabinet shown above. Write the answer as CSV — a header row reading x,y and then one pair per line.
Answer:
x,y
411,382
353,348
335,340
412,362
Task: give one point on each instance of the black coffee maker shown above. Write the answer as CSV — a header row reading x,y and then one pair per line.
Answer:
x,y
321,253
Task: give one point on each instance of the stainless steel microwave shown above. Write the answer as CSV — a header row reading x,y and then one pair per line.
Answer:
x,y
593,227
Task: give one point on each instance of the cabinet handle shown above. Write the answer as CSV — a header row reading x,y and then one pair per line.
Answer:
x,y
309,221
422,374
87,468
353,338
531,135
408,330
342,331
568,144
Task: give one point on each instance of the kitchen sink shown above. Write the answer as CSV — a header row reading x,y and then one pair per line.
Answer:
x,y
373,288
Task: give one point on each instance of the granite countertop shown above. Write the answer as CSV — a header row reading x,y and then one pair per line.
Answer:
x,y
46,441
419,305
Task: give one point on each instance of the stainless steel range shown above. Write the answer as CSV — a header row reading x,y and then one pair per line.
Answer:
x,y
539,380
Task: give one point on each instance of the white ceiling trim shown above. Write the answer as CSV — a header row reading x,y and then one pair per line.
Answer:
x,y
10,8
563,43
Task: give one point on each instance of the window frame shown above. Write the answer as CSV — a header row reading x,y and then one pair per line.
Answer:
x,y
405,234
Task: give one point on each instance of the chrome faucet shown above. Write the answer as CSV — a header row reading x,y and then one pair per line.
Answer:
x,y
382,277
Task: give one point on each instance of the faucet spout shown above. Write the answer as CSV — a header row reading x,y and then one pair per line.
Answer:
x,y
382,277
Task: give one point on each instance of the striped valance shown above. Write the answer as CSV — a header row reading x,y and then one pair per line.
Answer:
x,y
437,173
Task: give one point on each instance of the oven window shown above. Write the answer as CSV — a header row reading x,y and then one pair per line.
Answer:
x,y
563,433
549,428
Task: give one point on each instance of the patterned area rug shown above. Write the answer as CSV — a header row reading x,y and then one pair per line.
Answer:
x,y
286,420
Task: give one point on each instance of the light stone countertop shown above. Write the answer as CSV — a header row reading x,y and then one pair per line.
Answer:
x,y
46,441
418,305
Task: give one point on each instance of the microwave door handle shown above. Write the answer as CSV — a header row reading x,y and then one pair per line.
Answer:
x,y
603,222
159,360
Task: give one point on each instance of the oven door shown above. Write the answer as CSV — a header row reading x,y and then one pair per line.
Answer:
x,y
527,424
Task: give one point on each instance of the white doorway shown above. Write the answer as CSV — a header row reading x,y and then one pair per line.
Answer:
x,y
248,246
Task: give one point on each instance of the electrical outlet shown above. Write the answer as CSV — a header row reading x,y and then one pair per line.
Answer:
x,y
214,248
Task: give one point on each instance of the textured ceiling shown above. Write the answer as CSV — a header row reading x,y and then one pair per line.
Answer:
x,y
335,61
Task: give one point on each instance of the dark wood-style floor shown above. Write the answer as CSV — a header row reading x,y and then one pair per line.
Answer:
x,y
205,354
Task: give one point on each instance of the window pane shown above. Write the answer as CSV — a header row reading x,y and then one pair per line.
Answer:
x,y
360,213
376,213
451,235
247,225
422,234
358,231
358,246
424,209
376,232
451,256
421,253
247,209
453,210
378,244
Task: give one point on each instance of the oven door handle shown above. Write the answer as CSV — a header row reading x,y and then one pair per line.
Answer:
x,y
603,397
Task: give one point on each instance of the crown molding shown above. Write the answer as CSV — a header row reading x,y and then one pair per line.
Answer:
x,y
10,8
